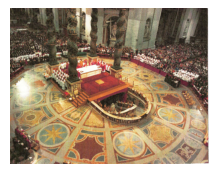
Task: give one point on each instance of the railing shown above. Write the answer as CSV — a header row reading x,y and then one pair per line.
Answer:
x,y
123,119
114,118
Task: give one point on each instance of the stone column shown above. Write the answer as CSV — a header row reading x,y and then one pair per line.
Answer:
x,y
104,33
87,24
155,24
93,33
121,28
72,46
28,12
43,16
78,16
188,15
56,19
139,15
51,44
100,26
180,26
153,16
130,24
193,24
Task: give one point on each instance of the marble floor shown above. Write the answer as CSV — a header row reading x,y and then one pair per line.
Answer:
x,y
172,133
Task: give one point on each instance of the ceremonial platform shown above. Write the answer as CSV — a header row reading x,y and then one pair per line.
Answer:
x,y
101,86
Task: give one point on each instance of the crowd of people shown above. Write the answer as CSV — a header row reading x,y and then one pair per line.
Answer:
x,y
201,85
60,77
14,66
187,62
110,50
23,145
26,43
147,59
61,45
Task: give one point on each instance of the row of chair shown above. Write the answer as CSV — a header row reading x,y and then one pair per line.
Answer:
x,y
188,98
13,74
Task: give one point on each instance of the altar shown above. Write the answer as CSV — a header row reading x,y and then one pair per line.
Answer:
x,y
89,71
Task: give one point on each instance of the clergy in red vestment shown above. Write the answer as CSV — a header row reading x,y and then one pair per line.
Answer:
x,y
91,63
98,62
101,64
81,63
103,67
84,64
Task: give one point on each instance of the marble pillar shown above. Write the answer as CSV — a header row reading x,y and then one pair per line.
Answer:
x,y
121,29
188,15
100,26
154,15
56,19
155,25
93,33
43,16
78,16
193,24
180,26
88,24
130,24
72,46
187,29
51,43
136,27
104,33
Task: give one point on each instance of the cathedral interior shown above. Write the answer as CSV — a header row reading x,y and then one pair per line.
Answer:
x,y
109,86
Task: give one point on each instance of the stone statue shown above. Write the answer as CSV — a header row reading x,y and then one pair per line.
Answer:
x,y
114,30
93,33
186,28
51,44
147,32
72,46
121,28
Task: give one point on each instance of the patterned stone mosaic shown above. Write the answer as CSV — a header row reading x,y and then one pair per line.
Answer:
x,y
171,133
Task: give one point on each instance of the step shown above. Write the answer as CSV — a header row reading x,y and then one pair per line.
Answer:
x,y
83,96
75,104
83,99
79,101
76,101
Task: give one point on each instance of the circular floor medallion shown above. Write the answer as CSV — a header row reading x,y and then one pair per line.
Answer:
x,y
128,144
170,115
53,135
159,86
30,99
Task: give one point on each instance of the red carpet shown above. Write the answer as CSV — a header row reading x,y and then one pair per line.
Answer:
x,y
90,86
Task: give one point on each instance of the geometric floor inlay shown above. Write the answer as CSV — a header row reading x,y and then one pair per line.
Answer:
x,y
171,132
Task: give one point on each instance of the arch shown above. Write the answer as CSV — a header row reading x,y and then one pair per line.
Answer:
x,y
109,16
